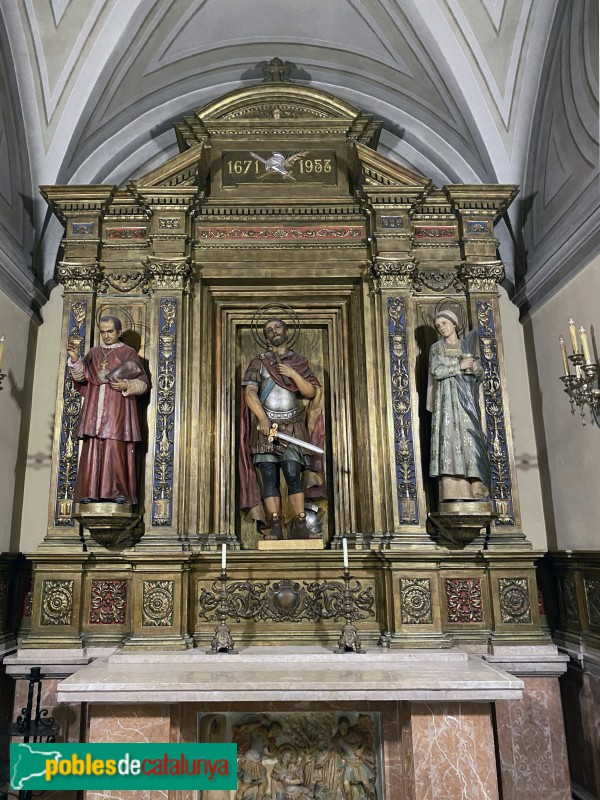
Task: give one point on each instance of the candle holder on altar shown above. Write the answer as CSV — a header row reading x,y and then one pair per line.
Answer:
x,y
222,641
582,387
349,641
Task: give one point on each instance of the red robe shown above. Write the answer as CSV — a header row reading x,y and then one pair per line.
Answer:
x,y
250,499
109,427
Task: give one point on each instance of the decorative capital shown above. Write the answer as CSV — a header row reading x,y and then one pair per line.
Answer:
x,y
78,277
482,277
391,274
169,273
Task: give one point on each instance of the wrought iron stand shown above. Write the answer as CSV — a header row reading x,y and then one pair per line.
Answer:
x,y
33,724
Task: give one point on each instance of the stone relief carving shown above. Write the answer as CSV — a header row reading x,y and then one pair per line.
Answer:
x,y
300,756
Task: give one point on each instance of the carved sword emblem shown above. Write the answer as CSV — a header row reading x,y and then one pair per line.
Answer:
x,y
279,163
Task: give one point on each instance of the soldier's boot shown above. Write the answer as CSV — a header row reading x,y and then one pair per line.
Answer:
x,y
274,522
302,531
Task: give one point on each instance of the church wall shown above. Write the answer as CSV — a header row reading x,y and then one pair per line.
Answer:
x,y
522,417
568,452
20,332
39,447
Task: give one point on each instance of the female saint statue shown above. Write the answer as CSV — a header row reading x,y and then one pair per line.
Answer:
x,y
459,456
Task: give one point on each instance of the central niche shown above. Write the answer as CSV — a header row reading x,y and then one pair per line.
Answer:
x,y
329,337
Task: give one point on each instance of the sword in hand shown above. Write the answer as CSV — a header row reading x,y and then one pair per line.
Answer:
x,y
274,433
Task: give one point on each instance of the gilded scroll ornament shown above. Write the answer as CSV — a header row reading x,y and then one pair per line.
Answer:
x,y
157,604
68,451
57,602
282,232
435,232
108,602
169,223
394,222
482,277
169,273
125,233
415,601
568,595
463,600
406,481
391,274
164,441
77,277
124,282
285,600
501,488
515,605
437,280
592,597
28,601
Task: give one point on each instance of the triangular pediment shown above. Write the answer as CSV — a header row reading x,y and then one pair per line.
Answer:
x,y
186,169
381,172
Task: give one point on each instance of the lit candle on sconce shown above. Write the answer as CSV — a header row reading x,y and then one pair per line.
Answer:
x,y
223,557
345,546
573,335
584,345
565,357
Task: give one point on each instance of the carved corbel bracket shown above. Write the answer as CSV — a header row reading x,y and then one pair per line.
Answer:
x,y
169,273
79,276
391,274
483,277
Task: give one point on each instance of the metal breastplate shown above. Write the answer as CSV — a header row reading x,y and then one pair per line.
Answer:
x,y
278,399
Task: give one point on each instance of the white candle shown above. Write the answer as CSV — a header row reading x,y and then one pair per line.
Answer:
x,y
584,345
573,335
223,557
1,351
565,358
345,546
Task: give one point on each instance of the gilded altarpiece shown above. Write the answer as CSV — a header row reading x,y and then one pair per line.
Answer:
x,y
279,196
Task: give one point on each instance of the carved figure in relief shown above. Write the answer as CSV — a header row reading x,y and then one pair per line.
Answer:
x,y
253,780
459,456
275,384
287,780
110,378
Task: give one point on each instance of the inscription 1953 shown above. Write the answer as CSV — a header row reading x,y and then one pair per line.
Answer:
x,y
302,166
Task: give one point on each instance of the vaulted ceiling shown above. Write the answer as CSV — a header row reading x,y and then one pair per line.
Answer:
x,y
488,91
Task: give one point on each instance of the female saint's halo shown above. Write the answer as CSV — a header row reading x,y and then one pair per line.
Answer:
x,y
269,311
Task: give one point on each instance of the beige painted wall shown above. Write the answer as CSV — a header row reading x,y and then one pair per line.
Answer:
x,y
20,333
39,447
569,453
522,420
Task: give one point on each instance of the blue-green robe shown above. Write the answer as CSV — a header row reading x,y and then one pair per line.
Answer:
x,y
458,443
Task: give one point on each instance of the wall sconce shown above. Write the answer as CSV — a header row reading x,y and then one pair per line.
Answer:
x,y
2,375
582,387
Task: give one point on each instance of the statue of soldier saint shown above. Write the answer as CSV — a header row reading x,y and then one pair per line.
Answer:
x,y
276,385
110,378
